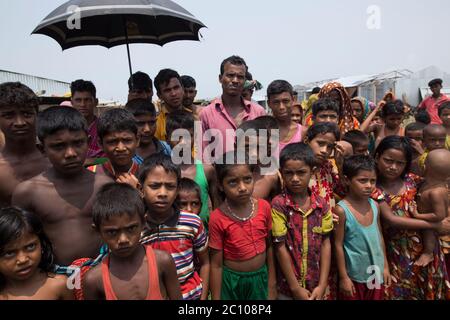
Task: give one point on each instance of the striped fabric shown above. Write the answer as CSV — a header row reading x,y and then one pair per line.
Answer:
x,y
182,236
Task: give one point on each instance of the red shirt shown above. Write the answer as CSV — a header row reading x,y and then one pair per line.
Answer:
x,y
432,106
240,240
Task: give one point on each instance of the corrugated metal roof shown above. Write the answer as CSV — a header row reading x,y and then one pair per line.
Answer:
x,y
51,87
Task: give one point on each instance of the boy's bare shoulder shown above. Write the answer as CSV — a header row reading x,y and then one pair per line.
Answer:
x,y
101,179
93,278
31,184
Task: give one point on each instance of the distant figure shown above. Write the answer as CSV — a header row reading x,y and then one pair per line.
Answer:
x,y
190,92
140,86
432,103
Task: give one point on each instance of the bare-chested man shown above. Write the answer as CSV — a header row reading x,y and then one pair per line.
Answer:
x,y
20,159
63,194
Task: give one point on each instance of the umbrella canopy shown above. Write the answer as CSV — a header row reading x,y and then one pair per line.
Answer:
x,y
110,23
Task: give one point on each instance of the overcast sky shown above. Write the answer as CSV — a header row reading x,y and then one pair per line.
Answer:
x,y
299,41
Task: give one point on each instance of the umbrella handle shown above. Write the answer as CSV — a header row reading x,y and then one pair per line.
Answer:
x,y
128,46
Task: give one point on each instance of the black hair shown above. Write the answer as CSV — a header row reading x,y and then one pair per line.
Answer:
x,y
278,87
354,164
115,120
266,122
188,82
355,138
442,107
316,90
395,107
83,86
323,128
164,77
234,60
140,81
297,151
228,161
14,222
59,118
248,125
116,199
325,104
435,82
421,115
397,143
179,120
415,126
190,185
17,95
140,107
158,160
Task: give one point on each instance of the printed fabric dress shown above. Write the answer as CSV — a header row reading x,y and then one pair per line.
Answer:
x,y
404,247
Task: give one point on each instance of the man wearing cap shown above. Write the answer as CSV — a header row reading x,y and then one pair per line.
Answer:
x,y
433,102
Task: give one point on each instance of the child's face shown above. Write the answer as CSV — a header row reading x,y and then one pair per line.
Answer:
x,y
120,147
416,135
434,140
322,146
357,110
296,175
393,121
160,190
445,117
238,184
377,119
18,123
361,148
122,234
281,105
66,150
362,184
189,201
391,164
20,259
297,114
146,124
85,103
326,116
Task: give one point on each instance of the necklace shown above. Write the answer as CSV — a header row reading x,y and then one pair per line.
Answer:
x,y
236,216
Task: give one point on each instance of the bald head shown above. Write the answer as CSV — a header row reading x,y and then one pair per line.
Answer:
x,y
438,163
434,136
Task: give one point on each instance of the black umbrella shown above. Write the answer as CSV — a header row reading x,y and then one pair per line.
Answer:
x,y
110,23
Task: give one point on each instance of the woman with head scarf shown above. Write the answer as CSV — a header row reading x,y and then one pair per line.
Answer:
x,y
337,92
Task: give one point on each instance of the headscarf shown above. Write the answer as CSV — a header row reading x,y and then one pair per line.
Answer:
x,y
365,106
347,122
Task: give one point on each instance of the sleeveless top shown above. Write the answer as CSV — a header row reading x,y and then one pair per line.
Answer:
x,y
153,293
362,246
202,181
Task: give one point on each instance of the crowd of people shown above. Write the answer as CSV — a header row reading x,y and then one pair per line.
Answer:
x,y
330,198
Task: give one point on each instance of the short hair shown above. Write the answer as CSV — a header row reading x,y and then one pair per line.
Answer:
x,y
421,115
433,127
237,158
234,60
397,143
158,160
278,87
435,82
354,164
164,76
442,107
297,151
316,90
16,94
325,104
59,118
140,107
395,107
355,138
188,82
115,199
14,222
266,122
140,81
83,86
115,120
323,128
179,120
415,126
187,184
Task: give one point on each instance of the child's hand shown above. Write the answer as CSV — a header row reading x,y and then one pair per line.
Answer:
x,y
417,146
128,178
335,217
443,227
301,293
339,154
387,277
413,210
346,287
317,293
